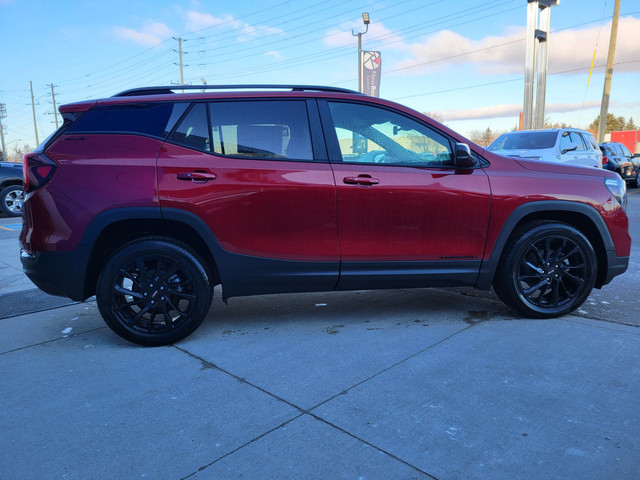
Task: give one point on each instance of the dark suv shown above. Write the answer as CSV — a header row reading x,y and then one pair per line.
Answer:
x,y
617,158
150,198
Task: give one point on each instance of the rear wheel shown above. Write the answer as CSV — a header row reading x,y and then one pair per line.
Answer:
x,y
635,183
547,270
11,199
154,292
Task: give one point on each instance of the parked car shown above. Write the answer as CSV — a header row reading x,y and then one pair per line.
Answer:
x,y
560,145
11,192
150,198
617,158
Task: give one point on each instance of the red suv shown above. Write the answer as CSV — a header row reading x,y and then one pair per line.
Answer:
x,y
150,198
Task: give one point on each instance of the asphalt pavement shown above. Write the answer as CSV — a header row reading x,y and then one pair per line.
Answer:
x,y
404,384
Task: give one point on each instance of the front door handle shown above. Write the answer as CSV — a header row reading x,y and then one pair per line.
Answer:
x,y
196,176
363,180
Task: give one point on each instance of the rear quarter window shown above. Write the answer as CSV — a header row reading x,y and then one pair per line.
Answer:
x,y
152,119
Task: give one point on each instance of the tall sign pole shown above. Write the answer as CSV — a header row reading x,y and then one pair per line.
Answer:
x,y
604,106
366,20
537,45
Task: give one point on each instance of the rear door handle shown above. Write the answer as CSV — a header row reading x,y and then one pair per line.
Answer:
x,y
363,180
197,176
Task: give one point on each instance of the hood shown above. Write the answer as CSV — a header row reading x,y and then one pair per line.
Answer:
x,y
553,167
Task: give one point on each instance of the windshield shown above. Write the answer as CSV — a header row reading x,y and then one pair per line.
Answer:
x,y
524,141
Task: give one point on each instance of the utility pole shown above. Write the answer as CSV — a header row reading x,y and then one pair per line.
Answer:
x,y
179,39
33,109
3,114
55,112
604,105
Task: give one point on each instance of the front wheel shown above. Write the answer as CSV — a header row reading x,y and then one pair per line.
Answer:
x,y
154,292
547,270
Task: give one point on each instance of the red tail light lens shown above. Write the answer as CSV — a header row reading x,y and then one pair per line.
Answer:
x,y
605,160
36,171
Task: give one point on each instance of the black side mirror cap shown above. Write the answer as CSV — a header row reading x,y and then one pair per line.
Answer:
x,y
464,159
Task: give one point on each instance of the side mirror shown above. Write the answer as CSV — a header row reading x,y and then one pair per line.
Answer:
x,y
463,158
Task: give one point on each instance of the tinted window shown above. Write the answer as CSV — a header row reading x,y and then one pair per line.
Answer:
x,y
571,141
276,129
193,131
625,151
524,141
368,134
143,118
591,140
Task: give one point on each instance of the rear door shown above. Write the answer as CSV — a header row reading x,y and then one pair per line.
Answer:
x,y
406,215
256,173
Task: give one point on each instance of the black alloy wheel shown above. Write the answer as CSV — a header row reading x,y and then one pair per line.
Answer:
x,y
154,292
548,270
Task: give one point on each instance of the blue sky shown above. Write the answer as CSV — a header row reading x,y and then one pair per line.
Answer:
x,y
462,61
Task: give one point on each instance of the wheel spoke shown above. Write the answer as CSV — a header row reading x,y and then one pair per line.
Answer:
x,y
537,286
576,249
126,291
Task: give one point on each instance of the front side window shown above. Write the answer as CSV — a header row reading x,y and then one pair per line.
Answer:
x,y
269,129
370,134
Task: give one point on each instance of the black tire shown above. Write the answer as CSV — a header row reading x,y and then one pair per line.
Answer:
x,y
154,292
635,183
11,199
547,270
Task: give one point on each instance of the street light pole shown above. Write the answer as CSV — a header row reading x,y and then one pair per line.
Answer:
x,y
366,20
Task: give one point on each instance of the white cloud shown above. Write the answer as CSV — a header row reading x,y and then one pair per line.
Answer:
x,y
568,50
274,53
199,20
509,110
150,34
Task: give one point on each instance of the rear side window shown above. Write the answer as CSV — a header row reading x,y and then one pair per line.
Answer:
x,y
273,129
571,141
152,119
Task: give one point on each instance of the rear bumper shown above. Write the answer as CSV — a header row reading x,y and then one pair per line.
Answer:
x,y
57,273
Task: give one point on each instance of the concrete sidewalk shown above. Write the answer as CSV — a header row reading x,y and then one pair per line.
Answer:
x,y
403,384
378,385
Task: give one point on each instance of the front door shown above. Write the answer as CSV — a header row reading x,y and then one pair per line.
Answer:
x,y
406,215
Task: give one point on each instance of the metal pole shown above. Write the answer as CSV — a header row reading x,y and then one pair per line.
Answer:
x,y
33,109
3,113
360,62
55,112
604,106
180,55
542,36
529,64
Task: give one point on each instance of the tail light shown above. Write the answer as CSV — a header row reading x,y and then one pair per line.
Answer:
x,y
36,171
605,160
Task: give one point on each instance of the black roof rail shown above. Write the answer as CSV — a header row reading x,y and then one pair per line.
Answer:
x,y
163,90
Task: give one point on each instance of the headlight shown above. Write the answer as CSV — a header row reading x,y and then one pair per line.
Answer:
x,y
618,189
